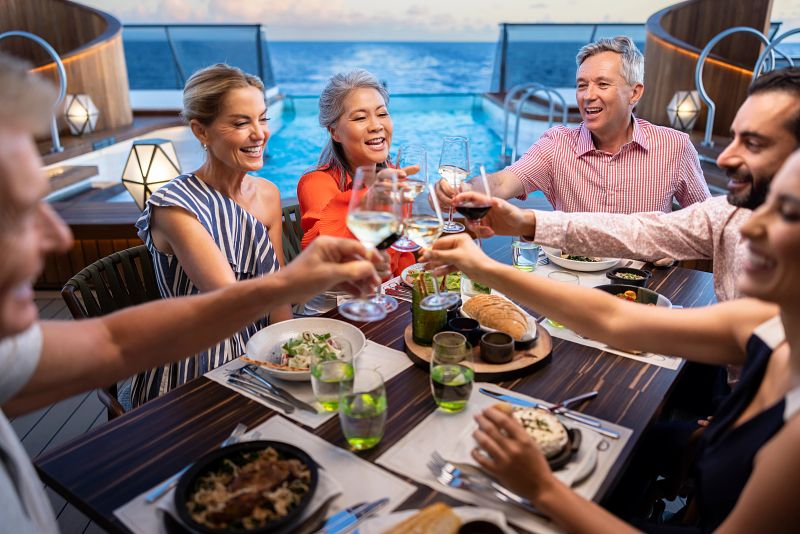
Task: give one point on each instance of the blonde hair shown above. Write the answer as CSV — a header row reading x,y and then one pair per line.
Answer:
x,y
206,88
26,99
632,59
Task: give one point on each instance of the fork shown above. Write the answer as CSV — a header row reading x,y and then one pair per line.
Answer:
x,y
162,489
471,478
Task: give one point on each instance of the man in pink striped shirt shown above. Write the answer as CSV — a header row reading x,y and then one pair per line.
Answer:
x,y
766,130
613,162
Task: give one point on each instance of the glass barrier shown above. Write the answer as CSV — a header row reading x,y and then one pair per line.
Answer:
x,y
164,56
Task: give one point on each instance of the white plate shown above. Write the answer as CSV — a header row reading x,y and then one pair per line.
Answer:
x,y
265,345
382,523
554,255
531,321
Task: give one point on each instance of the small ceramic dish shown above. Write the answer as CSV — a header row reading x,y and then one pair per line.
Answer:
x,y
497,347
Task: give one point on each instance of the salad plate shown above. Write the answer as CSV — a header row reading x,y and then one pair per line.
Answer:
x,y
578,263
284,349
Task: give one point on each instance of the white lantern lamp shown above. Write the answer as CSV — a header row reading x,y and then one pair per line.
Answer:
x,y
683,110
81,114
151,164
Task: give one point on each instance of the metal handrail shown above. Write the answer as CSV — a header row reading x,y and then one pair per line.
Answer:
x,y
698,74
62,88
506,110
770,48
551,111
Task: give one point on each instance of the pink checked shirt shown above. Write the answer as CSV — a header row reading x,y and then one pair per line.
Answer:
x,y
656,165
706,230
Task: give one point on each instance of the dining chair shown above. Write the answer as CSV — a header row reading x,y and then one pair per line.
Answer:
x,y
292,232
122,279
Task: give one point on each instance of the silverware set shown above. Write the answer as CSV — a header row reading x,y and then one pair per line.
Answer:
x,y
250,380
470,478
349,518
399,291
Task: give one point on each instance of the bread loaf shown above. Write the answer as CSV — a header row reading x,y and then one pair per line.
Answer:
x,y
499,313
437,518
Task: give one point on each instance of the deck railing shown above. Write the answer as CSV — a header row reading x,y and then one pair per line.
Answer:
x,y
163,56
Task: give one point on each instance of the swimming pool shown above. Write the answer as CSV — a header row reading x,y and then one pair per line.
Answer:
x,y
295,146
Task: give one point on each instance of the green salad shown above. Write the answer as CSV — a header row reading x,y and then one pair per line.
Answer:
x,y
297,351
453,282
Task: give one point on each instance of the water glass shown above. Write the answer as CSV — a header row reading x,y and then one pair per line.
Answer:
x,y
525,255
565,277
362,410
452,371
331,371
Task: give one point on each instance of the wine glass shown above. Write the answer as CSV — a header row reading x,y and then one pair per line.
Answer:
x,y
424,224
454,169
374,218
411,186
475,210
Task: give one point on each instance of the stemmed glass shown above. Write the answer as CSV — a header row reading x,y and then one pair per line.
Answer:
x,y
424,225
454,169
476,210
374,218
411,186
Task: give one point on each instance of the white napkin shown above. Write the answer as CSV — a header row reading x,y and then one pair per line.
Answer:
x,y
441,431
388,362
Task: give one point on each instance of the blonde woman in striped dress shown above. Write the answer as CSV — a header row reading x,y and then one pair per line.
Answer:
x,y
216,225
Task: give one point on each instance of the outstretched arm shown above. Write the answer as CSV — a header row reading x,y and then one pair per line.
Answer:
x,y
715,334
86,354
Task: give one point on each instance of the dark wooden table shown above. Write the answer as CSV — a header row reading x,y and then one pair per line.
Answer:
x,y
104,469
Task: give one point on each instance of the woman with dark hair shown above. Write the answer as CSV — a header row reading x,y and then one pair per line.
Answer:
x,y
217,225
353,109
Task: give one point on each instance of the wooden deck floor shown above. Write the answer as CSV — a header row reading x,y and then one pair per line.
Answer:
x,y
51,426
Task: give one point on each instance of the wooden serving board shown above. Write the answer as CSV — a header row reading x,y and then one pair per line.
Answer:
x,y
524,361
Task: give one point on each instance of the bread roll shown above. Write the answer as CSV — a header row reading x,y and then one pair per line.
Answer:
x,y
437,518
498,313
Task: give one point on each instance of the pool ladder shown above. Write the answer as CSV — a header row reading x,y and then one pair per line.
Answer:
x,y
62,87
527,91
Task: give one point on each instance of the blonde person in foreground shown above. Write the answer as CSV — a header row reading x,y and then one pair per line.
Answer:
x,y
44,361
747,467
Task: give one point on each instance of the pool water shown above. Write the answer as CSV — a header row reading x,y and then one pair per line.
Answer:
x,y
294,149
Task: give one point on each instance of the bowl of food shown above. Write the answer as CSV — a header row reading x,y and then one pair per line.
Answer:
x,y
255,486
577,262
412,273
284,349
641,295
557,442
629,276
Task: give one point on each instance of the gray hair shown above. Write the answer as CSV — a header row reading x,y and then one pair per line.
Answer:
x,y
632,58
331,108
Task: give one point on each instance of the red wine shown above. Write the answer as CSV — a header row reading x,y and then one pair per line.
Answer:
x,y
473,211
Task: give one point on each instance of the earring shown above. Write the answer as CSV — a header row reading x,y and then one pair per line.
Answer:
x,y
205,147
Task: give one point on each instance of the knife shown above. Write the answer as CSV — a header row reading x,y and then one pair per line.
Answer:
x,y
347,519
252,390
531,404
278,391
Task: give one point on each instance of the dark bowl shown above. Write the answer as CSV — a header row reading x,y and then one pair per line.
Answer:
x,y
614,276
453,311
214,459
479,527
643,295
469,328
497,347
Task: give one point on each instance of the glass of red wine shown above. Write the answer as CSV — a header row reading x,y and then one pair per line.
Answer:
x,y
475,209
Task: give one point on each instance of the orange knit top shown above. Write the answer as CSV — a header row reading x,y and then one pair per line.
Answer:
x,y
324,212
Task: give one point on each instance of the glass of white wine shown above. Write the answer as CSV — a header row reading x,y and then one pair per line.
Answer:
x,y
411,156
454,169
424,224
374,218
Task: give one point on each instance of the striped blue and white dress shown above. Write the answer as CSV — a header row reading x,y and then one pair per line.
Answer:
x,y
240,236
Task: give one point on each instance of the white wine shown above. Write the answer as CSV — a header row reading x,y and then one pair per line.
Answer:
x,y
454,176
410,189
372,227
423,229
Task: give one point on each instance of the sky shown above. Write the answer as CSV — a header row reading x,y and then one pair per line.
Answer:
x,y
396,20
